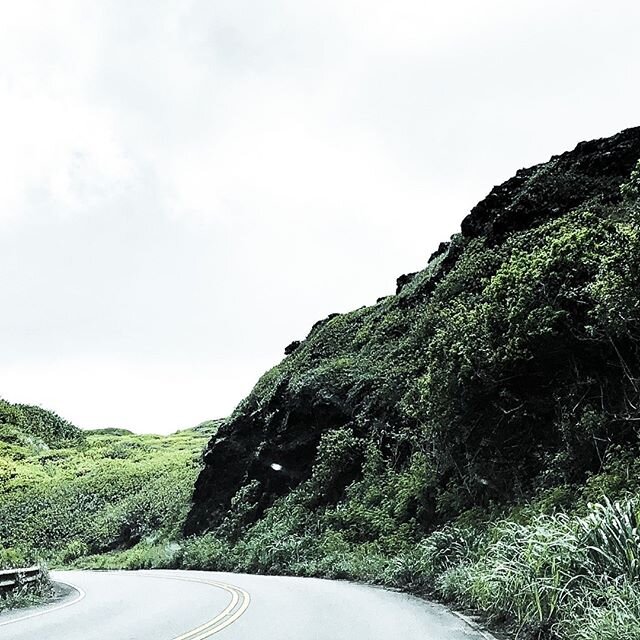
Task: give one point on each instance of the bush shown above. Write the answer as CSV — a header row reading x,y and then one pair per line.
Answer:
x,y
110,491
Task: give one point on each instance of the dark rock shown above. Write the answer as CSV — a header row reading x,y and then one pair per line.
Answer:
x,y
290,348
403,280
285,431
442,248
593,170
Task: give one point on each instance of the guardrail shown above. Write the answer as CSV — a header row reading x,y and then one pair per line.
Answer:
x,y
11,579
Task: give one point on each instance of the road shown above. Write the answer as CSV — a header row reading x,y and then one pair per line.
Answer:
x,y
195,605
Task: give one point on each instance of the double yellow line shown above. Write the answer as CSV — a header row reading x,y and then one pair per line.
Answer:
x,y
238,604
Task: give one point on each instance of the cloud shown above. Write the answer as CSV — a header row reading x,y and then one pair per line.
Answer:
x,y
188,184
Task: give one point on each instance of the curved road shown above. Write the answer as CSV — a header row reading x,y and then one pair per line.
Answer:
x,y
195,605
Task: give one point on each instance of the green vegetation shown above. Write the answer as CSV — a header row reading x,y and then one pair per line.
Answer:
x,y
65,493
473,438
451,438
25,426
492,460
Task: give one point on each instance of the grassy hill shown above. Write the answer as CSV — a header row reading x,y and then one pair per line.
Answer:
x,y
67,493
25,426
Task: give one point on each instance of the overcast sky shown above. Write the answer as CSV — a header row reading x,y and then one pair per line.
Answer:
x,y
185,187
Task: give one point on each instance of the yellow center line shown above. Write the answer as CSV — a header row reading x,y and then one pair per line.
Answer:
x,y
238,604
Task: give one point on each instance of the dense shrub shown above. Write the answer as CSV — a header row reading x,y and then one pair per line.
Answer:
x,y
110,490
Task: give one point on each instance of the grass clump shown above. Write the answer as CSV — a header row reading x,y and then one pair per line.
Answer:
x,y
556,576
28,595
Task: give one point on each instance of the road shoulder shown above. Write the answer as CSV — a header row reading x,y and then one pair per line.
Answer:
x,y
63,595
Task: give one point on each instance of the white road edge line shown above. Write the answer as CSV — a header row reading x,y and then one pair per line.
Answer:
x,y
64,605
474,625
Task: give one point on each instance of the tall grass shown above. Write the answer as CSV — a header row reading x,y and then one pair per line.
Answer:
x,y
604,611
612,538
568,577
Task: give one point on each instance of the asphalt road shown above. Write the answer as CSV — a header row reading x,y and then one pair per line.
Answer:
x,y
195,605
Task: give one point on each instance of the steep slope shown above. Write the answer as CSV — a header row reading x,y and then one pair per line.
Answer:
x,y
509,363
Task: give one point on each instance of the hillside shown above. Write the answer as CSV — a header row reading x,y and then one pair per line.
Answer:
x,y
473,438
451,438
27,425
67,493
507,364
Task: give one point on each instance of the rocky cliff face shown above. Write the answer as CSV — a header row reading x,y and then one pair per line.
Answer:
x,y
372,371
